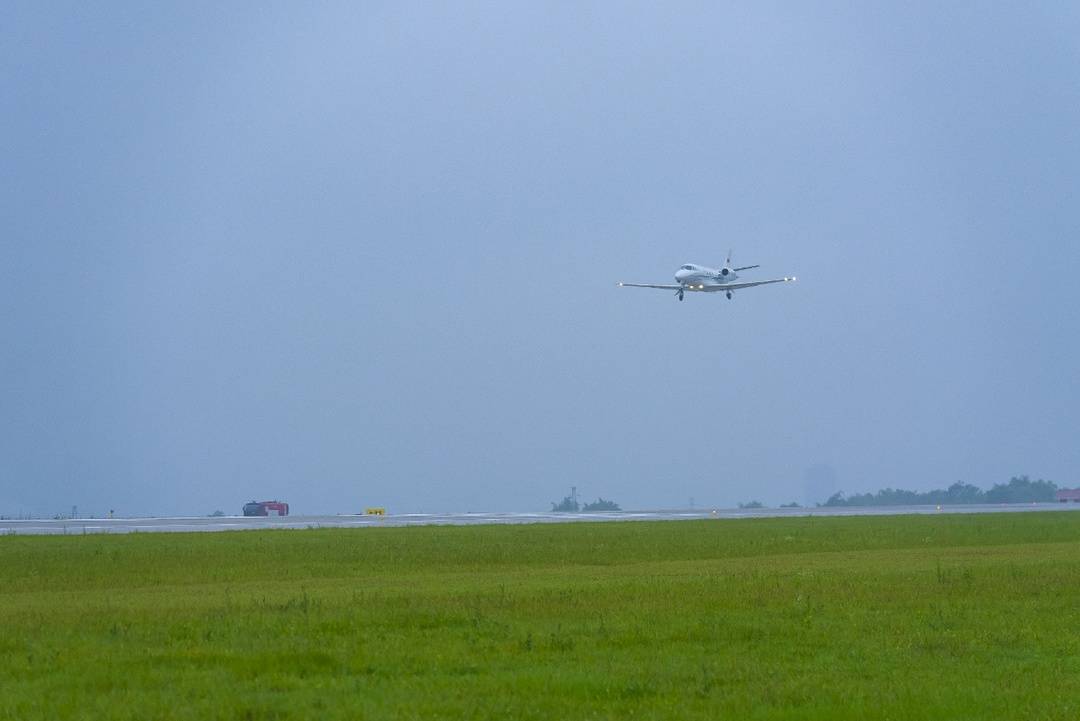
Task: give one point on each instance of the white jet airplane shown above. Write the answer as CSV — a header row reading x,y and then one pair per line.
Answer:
x,y
698,278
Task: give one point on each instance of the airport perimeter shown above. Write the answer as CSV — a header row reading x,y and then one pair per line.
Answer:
x,y
69,526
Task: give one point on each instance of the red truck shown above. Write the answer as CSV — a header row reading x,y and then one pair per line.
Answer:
x,y
266,508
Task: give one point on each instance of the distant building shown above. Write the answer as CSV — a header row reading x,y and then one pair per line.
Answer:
x,y
266,508
1065,495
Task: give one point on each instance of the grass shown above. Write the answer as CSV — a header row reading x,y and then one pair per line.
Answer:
x,y
902,617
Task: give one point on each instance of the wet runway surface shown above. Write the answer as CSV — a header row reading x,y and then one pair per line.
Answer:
x,y
241,523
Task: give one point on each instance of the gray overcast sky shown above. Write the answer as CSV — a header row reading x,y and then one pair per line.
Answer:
x,y
366,253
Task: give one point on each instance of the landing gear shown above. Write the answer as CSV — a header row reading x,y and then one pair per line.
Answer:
x,y
728,295
679,293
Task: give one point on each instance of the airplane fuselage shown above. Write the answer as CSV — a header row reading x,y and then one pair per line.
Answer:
x,y
702,278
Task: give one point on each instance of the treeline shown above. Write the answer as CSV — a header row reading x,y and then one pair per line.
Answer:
x,y
570,505
1019,489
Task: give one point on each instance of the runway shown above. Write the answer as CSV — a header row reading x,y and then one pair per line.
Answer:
x,y
241,523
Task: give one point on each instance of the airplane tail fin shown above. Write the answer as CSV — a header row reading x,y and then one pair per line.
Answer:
x,y
727,264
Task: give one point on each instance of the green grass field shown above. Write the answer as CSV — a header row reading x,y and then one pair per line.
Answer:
x,y
903,617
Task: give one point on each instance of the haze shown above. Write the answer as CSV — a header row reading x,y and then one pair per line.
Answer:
x,y
366,254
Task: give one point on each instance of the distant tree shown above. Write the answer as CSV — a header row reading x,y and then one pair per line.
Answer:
x,y
601,505
752,504
836,499
217,514
1022,490
1018,490
793,504
964,493
567,505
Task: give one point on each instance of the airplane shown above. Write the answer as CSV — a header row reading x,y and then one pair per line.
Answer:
x,y
698,278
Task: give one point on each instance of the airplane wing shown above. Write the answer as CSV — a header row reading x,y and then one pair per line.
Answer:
x,y
750,284
715,287
649,285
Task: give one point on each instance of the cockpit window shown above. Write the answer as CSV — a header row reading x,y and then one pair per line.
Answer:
x,y
688,267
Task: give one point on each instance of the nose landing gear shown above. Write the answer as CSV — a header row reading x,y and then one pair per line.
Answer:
x,y
728,295
679,293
